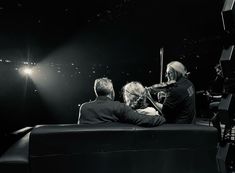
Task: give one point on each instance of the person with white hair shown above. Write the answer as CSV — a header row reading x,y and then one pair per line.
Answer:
x,y
105,110
179,103
135,96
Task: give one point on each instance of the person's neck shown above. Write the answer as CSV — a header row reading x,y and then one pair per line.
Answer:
x,y
109,96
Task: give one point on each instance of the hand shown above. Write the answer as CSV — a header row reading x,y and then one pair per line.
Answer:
x,y
207,93
157,105
161,96
148,95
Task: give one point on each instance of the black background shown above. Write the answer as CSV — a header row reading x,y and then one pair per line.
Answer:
x,y
119,39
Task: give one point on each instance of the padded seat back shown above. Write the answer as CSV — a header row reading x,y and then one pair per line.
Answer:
x,y
123,148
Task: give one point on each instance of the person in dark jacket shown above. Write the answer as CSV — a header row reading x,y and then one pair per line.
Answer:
x,y
179,102
105,110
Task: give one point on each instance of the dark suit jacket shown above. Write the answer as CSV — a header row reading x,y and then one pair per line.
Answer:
x,y
105,110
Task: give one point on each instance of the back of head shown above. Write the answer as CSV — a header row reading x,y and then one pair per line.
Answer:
x,y
134,95
104,87
177,69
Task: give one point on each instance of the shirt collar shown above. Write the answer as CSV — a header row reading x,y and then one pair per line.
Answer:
x,y
103,98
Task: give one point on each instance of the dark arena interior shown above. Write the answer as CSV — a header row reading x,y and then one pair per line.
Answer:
x,y
52,52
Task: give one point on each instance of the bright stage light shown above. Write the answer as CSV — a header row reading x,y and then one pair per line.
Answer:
x,y
27,71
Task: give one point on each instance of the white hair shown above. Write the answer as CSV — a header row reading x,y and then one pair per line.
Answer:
x,y
178,66
134,95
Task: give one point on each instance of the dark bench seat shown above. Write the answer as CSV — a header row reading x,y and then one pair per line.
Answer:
x,y
118,148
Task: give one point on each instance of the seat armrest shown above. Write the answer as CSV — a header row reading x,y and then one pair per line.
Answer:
x,y
15,159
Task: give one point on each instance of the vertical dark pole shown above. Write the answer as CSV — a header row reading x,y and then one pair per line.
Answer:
x,y
161,63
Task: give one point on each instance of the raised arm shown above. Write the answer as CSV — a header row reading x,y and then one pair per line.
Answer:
x,y
128,115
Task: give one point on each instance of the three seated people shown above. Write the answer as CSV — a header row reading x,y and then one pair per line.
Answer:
x,y
178,105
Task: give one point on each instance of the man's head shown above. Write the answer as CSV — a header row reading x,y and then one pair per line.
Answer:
x,y
104,87
175,70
